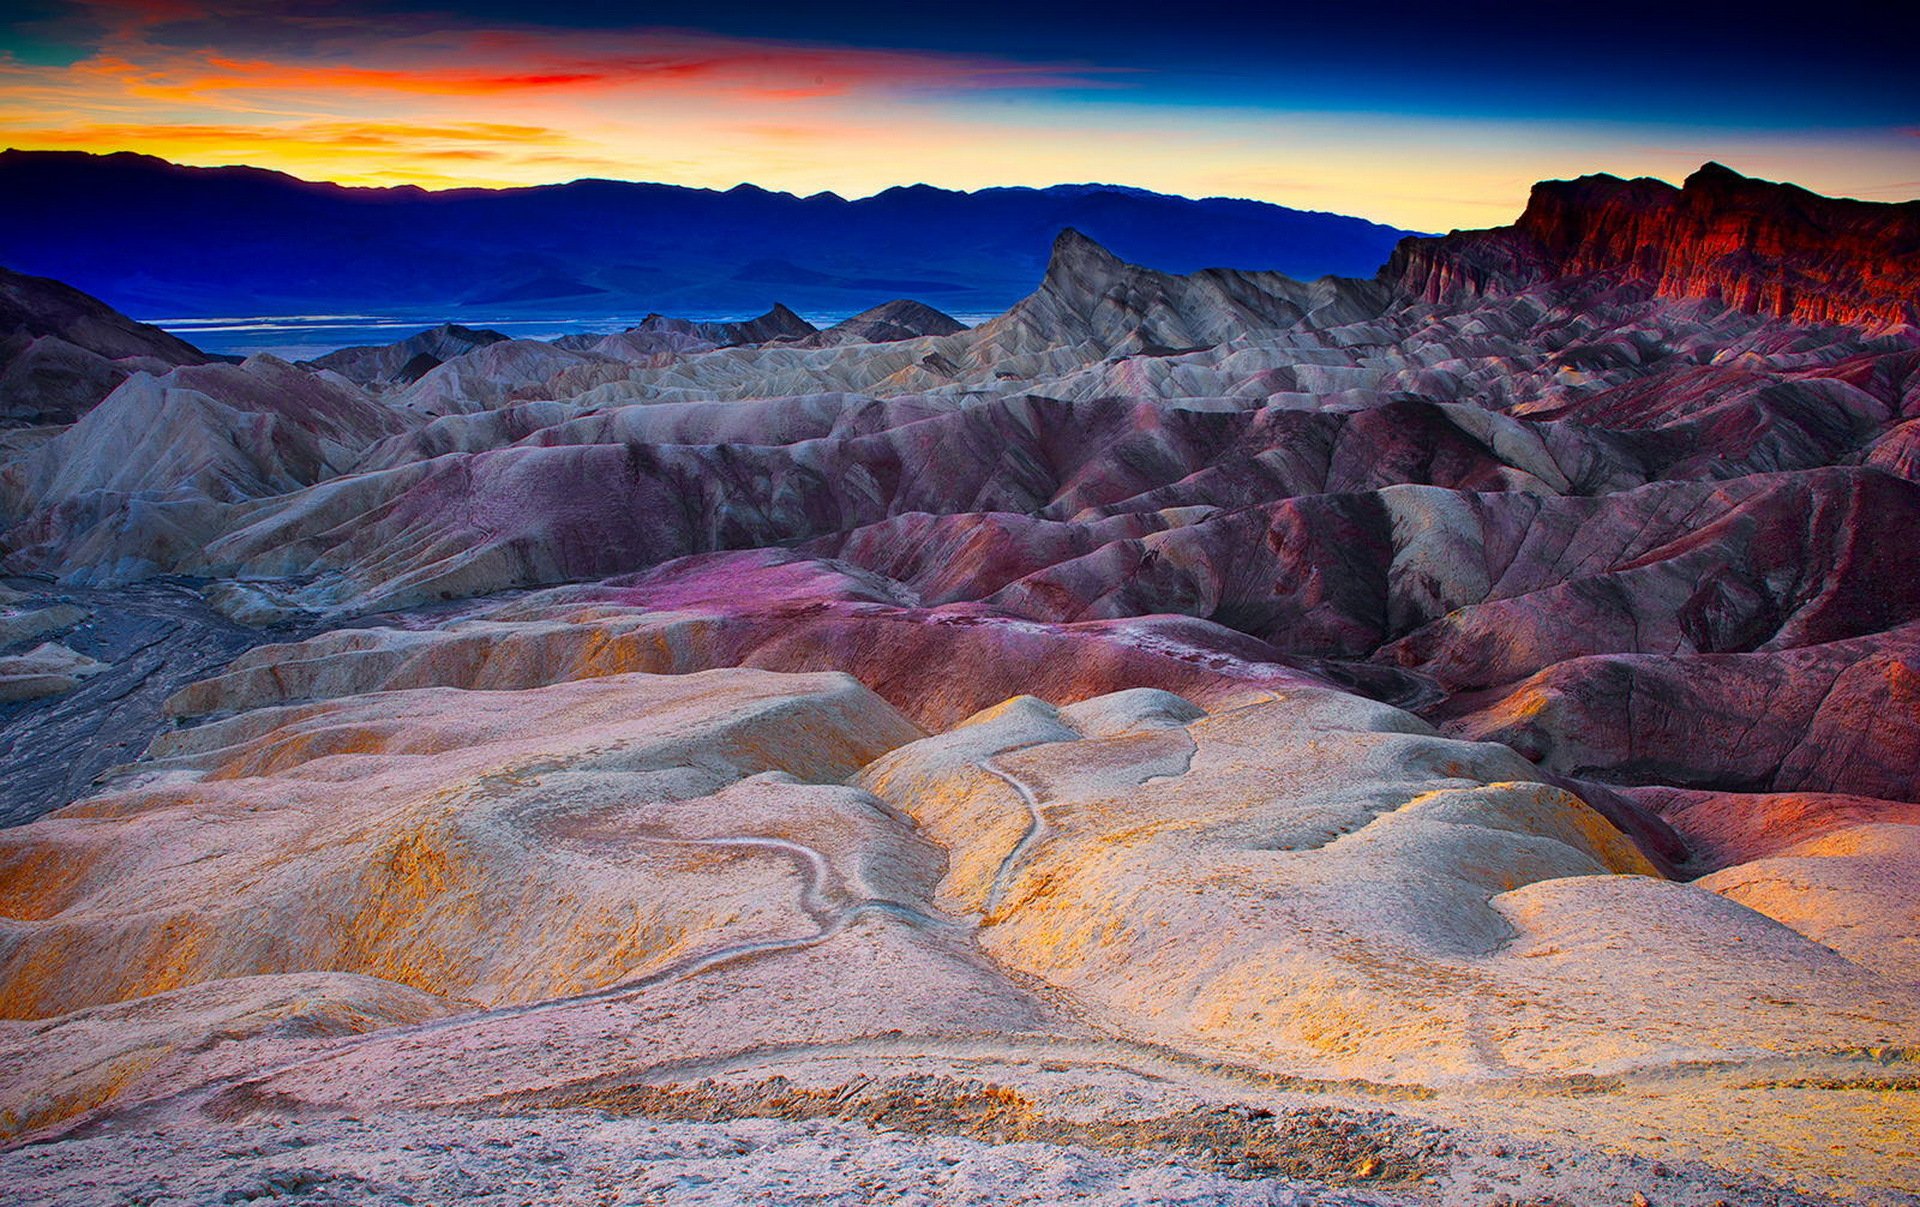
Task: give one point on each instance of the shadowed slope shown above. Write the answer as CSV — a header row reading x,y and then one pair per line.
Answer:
x,y
61,351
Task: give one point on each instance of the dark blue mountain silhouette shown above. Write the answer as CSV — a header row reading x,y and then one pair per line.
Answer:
x,y
153,237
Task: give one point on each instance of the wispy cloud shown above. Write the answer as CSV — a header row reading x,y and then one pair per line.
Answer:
x,y
172,51
1899,190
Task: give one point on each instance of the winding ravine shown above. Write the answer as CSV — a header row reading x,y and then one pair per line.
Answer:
x,y
1036,826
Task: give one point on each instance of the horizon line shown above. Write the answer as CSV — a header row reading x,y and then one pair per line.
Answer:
x,y
719,190
835,194
855,198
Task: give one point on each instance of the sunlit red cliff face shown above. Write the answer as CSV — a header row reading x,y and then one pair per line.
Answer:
x,y
1759,247
1448,730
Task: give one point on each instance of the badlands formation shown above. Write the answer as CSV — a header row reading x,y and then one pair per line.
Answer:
x,y
1446,738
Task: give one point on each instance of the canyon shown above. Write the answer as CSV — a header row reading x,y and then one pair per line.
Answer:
x,y
1450,736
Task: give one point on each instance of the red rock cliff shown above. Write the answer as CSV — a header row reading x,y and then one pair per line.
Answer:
x,y
1760,247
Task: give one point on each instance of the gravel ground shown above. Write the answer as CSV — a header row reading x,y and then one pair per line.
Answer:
x,y
158,636
579,1158
895,1141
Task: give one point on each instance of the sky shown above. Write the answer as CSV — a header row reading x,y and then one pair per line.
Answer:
x,y
1425,116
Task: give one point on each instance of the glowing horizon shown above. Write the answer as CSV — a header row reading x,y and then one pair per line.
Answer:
x,y
398,96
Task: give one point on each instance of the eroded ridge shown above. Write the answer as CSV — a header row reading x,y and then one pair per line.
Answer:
x,y
1409,740
586,893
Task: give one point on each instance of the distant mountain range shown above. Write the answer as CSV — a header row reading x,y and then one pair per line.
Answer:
x,y
158,239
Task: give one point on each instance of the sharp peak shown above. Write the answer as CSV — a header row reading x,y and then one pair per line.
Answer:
x,y
1070,246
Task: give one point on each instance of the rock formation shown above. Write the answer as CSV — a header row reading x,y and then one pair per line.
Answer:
x,y
1755,246
890,321
406,361
1455,727
62,351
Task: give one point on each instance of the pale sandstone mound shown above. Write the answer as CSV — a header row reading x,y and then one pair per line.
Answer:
x,y
880,990
641,345
465,434
223,431
19,625
490,376
1326,884
436,897
48,669
684,842
56,1068
503,846
1853,889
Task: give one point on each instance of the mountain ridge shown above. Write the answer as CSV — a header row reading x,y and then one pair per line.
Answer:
x,y
144,234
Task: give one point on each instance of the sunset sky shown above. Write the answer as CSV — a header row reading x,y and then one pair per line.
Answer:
x,y
1424,116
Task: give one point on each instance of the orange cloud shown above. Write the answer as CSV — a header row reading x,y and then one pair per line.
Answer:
x,y
347,152
489,62
328,134
190,82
